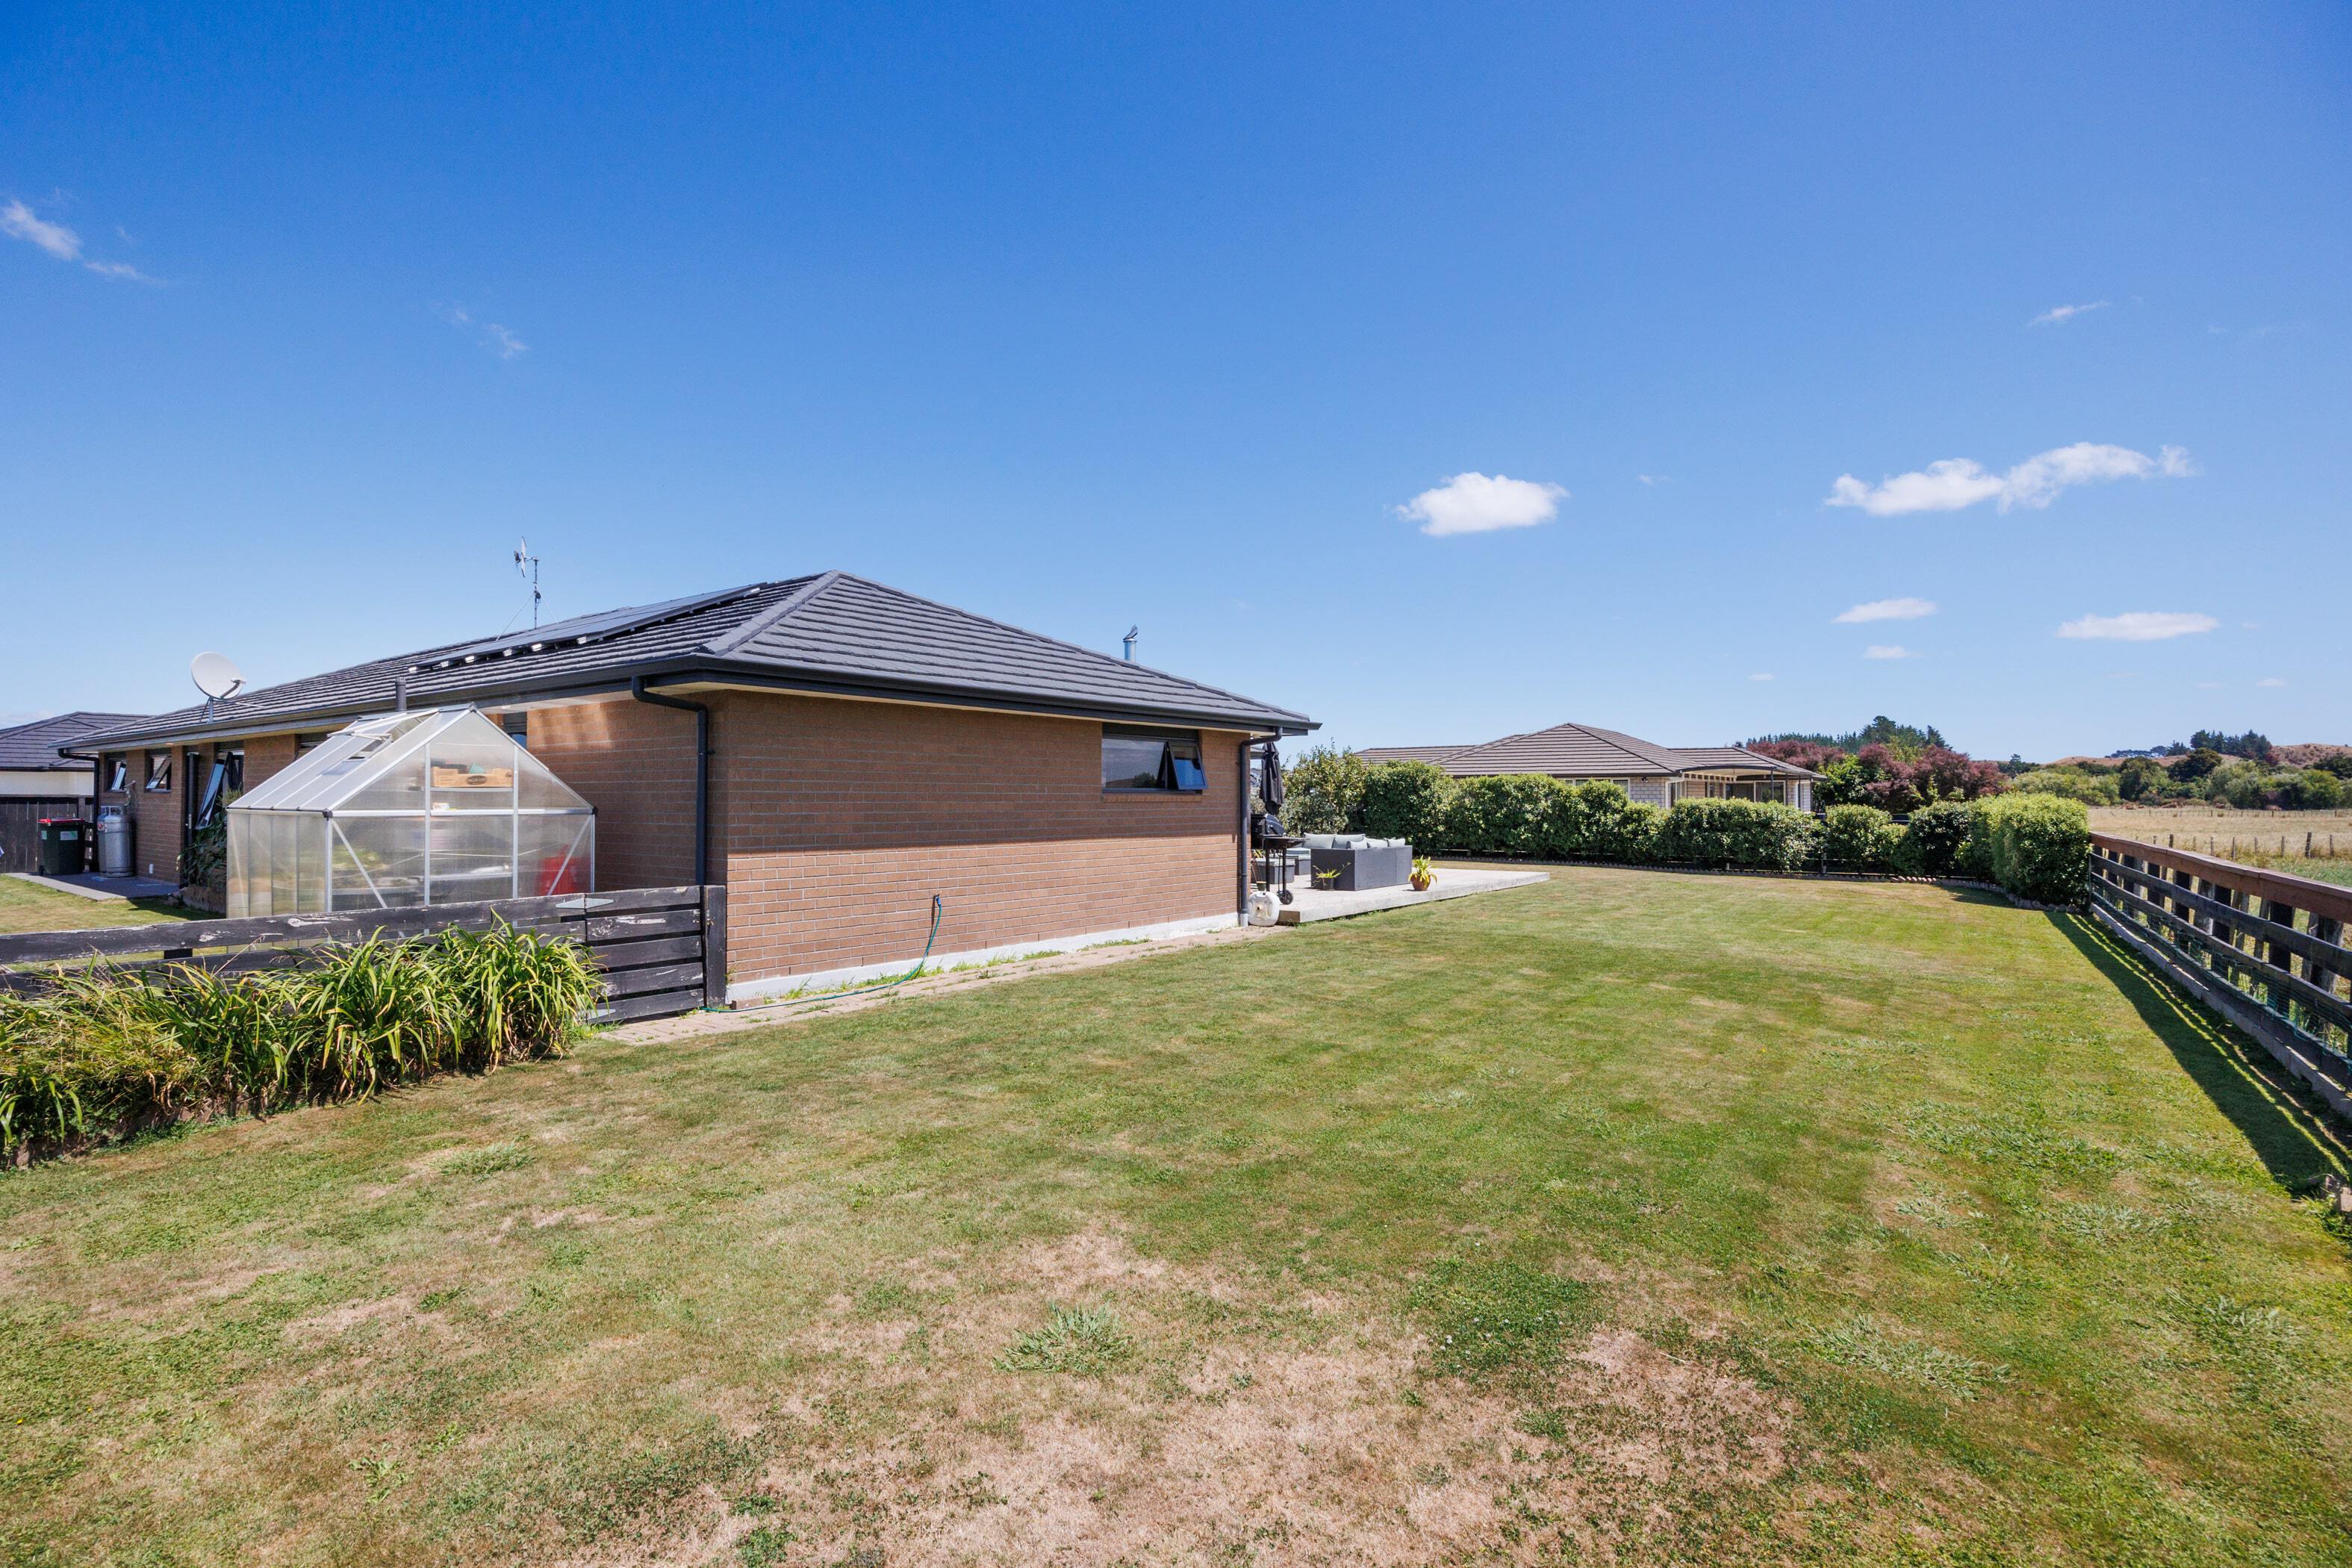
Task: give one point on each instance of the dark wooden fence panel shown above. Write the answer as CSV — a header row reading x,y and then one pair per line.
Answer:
x,y
20,829
660,947
2264,948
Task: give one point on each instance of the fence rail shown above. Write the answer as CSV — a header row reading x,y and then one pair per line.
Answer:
x,y
663,950
2265,948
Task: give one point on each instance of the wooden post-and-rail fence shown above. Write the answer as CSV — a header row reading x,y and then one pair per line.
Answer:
x,y
2264,949
663,950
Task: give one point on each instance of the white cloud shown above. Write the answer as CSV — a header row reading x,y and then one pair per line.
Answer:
x,y
1887,650
1957,483
2138,625
499,340
17,222
1888,610
2058,313
20,222
1656,478
1474,503
122,271
2270,680
1760,675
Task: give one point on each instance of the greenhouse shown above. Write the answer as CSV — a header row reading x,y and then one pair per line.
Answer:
x,y
437,806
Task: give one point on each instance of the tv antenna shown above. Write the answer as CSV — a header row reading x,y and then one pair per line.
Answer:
x,y
527,565
217,676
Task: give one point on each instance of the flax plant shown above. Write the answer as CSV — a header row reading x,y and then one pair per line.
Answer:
x,y
107,1050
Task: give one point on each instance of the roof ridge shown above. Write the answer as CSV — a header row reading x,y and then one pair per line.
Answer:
x,y
729,641
1114,661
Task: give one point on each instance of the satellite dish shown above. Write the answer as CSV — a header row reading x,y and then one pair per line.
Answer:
x,y
215,675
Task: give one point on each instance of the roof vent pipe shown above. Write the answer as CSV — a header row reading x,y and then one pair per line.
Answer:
x,y
400,694
1129,641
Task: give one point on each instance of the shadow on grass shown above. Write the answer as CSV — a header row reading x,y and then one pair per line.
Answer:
x,y
2290,1133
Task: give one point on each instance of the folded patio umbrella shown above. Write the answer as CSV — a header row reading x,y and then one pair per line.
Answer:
x,y
1269,789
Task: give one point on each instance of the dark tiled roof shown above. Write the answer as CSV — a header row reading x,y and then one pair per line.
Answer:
x,y
34,745
1570,750
1581,750
831,633
1719,758
1374,754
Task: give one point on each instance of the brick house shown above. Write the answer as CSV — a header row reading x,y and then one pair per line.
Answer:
x,y
1659,776
833,751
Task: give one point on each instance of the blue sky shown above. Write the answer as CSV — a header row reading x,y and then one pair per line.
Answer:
x,y
1084,319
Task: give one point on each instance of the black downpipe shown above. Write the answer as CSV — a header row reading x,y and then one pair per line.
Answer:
x,y
702,771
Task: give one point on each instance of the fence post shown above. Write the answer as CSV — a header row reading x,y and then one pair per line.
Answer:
x,y
714,944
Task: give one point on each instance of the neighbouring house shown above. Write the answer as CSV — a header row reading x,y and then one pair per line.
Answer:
x,y
832,750
36,780
1660,776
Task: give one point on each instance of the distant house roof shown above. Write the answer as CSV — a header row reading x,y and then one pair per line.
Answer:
x,y
831,633
1737,758
33,748
1583,750
1376,754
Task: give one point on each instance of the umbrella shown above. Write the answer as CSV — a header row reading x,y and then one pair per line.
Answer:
x,y
1269,789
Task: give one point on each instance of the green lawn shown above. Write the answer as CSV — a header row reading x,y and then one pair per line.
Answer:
x,y
29,906
1630,1218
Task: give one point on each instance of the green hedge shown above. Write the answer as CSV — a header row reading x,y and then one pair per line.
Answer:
x,y
1324,792
1408,800
1935,839
1506,814
1747,834
1859,838
2036,846
1598,821
109,1051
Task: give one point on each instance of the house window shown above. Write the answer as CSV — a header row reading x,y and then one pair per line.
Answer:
x,y
117,772
517,725
1136,758
159,771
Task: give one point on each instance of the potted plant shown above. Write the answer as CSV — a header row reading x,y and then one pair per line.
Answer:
x,y
1422,875
1327,880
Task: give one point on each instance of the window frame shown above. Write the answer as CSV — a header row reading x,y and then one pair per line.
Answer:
x,y
1168,737
117,766
158,778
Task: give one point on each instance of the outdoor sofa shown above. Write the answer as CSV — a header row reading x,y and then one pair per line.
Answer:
x,y
1360,862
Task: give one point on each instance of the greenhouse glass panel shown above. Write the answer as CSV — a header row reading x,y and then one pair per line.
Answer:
x,y
434,807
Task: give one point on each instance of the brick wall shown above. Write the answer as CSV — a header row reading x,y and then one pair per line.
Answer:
x,y
836,822
633,762
156,817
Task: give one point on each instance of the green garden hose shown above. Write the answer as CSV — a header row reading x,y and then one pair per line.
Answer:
x,y
939,907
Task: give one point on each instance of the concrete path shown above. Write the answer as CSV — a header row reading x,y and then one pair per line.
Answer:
x,y
1310,905
105,890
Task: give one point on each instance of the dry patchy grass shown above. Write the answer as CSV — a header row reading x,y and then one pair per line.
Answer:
x,y
1634,1218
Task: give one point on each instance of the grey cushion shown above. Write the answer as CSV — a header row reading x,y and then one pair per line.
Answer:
x,y
1322,840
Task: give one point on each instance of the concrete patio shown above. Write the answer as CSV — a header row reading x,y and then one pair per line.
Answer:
x,y
1310,904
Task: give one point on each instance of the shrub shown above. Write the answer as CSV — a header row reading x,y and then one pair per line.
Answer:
x,y
1407,800
1859,837
1596,820
1750,834
2310,790
1506,813
1934,841
2072,784
108,1050
1323,791
2038,846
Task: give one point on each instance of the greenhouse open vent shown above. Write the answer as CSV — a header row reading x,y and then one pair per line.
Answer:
x,y
439,806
